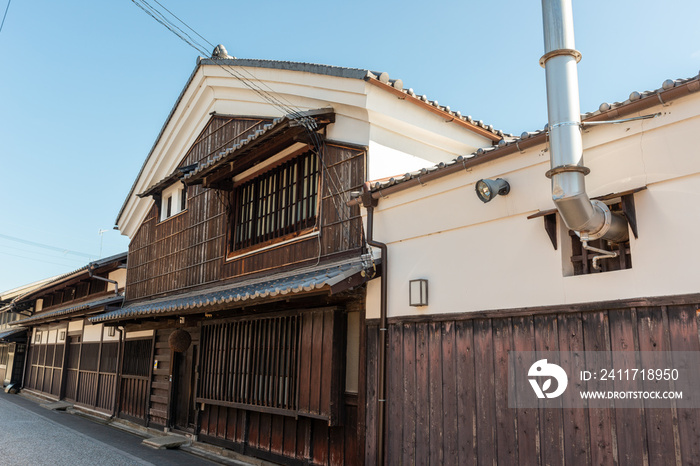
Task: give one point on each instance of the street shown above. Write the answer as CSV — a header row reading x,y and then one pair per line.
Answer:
x,y
32,435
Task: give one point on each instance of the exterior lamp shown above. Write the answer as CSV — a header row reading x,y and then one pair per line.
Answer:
x,y
488,189
418,292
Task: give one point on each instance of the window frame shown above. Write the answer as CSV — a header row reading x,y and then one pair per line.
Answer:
x,y
301,228
172,201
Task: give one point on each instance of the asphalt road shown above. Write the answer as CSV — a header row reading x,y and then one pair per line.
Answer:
x,y
32,435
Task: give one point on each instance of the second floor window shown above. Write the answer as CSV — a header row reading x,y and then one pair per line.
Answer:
x,y
279,203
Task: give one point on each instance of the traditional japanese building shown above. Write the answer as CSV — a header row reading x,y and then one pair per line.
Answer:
x,y
244,318
69,358
480,264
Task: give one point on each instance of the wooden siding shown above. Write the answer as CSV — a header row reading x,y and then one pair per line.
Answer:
x,y
189,249
283,439
160,382
86,375
286,364
135,379
447,382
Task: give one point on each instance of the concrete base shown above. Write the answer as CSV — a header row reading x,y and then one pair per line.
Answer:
x,y
57,406
166,441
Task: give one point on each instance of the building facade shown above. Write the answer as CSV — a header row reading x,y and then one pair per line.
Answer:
x,y
67,357
508,275
244,316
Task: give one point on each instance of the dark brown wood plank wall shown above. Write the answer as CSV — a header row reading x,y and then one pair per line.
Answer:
x,y
188,249
280,438
445,366
160,384
160,394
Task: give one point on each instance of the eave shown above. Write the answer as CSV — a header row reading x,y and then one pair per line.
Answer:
x,y
276,136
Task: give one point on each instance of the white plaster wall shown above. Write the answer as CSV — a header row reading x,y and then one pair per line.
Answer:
x,y
92,332
106,337
118,276
402,136
75,326
490,256
139,334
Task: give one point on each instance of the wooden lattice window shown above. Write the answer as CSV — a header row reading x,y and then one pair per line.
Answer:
x,y
3,354
281,202
252,362
287,364
582,259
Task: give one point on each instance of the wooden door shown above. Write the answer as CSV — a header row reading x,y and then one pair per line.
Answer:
x,y
184,380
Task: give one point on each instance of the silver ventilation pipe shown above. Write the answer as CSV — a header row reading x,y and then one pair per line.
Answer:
x,y
589,219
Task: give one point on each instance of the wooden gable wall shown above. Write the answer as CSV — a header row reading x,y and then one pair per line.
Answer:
x,y
189,249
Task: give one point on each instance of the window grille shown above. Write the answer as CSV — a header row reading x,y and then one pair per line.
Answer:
x,y
280,202
252,362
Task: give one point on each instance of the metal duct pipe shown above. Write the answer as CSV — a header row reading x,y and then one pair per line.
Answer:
x,y
591,220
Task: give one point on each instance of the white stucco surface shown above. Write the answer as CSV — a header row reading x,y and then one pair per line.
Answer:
x,y
490,256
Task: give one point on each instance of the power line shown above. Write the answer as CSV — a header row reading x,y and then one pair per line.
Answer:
x,y
46,246
257,86
5,15
33,259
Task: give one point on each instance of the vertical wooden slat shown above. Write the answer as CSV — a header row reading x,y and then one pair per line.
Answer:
x,y
660,422
449,394
602,420
485,401
326,382
395,417
422,394
575,427
408,394
316,363
437,411
371,396
466,393
506,422
630,423
304,393
683,335
527,418
551,435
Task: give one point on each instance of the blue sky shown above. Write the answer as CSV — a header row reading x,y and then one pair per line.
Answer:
x,y
85,87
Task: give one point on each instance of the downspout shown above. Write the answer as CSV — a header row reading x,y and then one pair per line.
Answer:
x,y
120,359
589,219
114,282
369,203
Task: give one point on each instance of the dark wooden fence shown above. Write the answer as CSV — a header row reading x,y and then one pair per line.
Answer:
x,y
448,384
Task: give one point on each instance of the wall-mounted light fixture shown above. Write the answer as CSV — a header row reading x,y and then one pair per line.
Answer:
x,y
488,189
111,331
62,335
418,292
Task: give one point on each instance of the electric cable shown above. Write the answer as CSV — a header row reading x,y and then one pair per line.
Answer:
x,y
5,15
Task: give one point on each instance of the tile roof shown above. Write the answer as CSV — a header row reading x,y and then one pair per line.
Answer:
x,y
276,124
110,300
606,111
58,278
339,71
290,283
